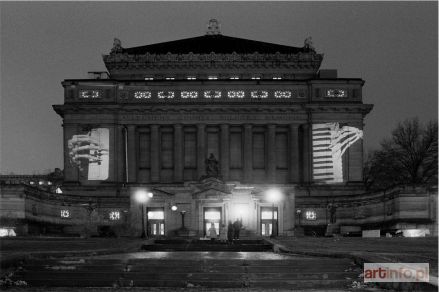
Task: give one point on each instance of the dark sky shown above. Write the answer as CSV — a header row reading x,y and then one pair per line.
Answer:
x,y
392,46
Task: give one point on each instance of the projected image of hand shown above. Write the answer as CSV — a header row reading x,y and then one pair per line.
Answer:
x,y
86,148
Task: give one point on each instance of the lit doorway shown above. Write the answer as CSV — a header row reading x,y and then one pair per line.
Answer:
x,y
212,215
156,222
267,221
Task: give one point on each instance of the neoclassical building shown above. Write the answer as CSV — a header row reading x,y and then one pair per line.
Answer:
x,y
214,127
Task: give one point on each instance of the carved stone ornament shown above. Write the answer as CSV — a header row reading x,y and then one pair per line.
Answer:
x,y
117,46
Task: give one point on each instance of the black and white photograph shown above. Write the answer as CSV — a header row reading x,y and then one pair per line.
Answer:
x,y
218,146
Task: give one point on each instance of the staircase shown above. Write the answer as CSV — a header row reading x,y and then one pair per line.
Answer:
x,y
249,245
291,272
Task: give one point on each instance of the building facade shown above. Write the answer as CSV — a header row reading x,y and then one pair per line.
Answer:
x,y
213,126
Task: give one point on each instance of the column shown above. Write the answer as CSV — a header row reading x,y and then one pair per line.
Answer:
x,y
306,154
120,154
248,156
155,154
132,157
201,149
271,153
225,146
178,153
294,153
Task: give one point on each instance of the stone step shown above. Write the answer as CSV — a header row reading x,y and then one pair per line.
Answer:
x,y
242,247
206,275
227,283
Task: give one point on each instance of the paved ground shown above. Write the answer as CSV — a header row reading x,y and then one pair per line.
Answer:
x,y
395,249
67,289
205,255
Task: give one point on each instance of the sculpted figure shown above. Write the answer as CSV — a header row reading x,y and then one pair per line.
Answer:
x,y
211,166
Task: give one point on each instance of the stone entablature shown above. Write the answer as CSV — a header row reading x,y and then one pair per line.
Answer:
x,y
90,91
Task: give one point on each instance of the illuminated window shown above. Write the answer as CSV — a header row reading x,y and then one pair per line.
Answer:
x,y
282,94
40,182
149,78
310,215
189,94
259,94
31,182
114,215
234,77
336,93
65,213
142,94
89,94
49,183
212,94
265,215
212,215
212,77
256,78
191,78
167,94
156,215
235,94
170,78
277,78
58,191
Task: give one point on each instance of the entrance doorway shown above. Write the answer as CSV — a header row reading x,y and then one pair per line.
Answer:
x,y
156,222
267,227
212,215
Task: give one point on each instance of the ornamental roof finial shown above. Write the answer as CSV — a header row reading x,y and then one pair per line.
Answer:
x,y
117,46
213,28
308,44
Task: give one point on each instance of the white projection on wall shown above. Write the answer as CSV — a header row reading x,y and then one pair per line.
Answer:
x,y
90,153
329,143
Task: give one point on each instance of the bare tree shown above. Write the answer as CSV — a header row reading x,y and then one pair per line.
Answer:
x,y
408,157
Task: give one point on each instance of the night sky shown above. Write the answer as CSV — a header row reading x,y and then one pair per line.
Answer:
x,y
392,46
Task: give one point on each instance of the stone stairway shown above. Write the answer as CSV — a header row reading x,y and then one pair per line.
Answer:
x,y
192,270
249,245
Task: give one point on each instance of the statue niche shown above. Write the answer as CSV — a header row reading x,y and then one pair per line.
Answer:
x,y
212,167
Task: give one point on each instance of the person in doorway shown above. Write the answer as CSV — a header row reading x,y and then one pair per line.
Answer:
x,y
212,232
223,233
236,228
230,232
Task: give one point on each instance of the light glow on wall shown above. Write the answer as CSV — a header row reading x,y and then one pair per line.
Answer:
x,y
167,94
142,94
89,94
65,213
310,215
282,94
259,94
236,94
114,215
212,94
7,232
189,94
336,93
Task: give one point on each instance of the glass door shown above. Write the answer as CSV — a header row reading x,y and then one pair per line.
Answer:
x,y
212,215
267,221
156,222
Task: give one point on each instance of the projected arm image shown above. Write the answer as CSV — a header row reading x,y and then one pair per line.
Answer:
x,y
330,142
90,153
